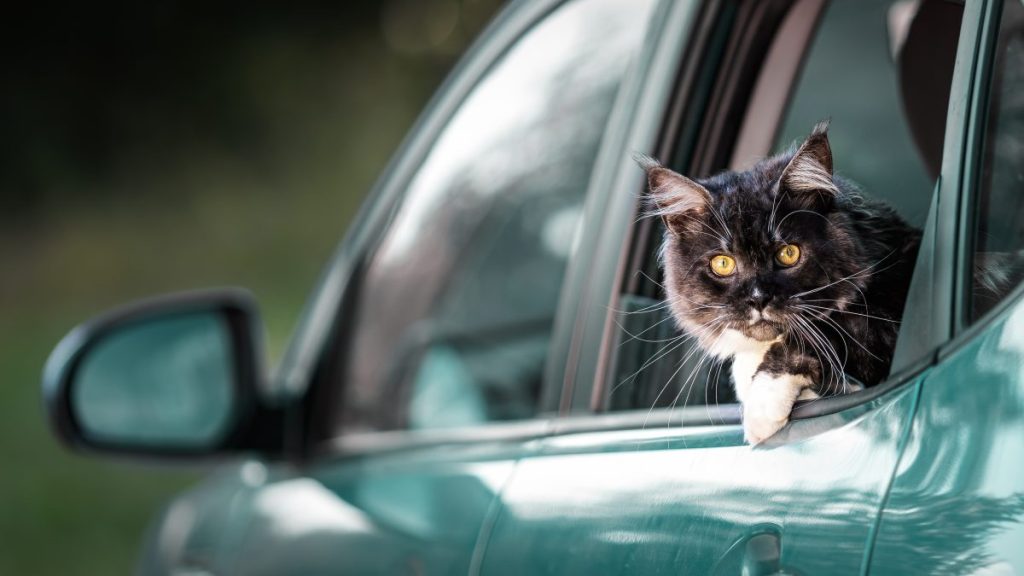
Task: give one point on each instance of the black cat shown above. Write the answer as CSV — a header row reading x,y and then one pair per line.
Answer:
x,y
790,271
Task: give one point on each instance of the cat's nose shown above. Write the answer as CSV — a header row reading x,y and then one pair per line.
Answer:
x,y
758,299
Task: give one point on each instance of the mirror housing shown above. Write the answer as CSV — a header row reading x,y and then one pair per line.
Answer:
x,y
172,376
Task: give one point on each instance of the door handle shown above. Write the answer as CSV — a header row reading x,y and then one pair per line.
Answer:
x,y
763,555
757,553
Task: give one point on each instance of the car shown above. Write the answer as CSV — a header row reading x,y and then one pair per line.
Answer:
x,y
481,382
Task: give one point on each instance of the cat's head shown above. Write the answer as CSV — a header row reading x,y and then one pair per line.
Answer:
x,y
759,251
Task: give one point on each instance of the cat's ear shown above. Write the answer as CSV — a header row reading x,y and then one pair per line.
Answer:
x,y
674,197
810,169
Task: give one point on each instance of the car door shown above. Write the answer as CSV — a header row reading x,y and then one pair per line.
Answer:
x,y
418,378
649,473
957,501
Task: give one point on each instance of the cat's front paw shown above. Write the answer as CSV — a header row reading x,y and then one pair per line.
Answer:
x,y
758,429
768,404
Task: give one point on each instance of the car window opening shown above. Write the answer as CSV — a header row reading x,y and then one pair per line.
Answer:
x,y
881,70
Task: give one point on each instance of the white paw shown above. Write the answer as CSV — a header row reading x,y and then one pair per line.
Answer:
x,y
757,429
768,404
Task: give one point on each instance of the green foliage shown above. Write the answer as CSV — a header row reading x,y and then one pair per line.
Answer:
x,y
238,160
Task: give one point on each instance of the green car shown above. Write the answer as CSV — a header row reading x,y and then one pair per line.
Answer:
x,y
480,383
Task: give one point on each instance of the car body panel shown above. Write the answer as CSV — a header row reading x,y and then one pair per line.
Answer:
x,y
380,510
405,512
957,502
670,500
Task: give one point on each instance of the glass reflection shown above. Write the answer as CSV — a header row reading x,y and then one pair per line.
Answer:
x,y
957,504
303,506
458,300
162,382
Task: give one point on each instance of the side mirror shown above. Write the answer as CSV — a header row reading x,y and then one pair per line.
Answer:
x,y
172,376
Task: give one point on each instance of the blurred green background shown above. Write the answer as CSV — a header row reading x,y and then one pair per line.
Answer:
x,y
153,147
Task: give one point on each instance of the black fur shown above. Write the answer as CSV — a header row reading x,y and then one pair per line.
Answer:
x,y
857,256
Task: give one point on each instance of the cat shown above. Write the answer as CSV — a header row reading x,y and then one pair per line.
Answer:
x,y
790,271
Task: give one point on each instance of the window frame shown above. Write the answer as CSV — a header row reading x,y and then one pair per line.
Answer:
x,y
673,101
699,132
305,378
964,328
945,259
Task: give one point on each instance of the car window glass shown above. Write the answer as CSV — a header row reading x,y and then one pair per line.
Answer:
x,y
999,233
856,72
454,311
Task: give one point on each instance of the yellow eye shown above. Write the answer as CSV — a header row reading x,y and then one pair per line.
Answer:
x,y
788,255
723,265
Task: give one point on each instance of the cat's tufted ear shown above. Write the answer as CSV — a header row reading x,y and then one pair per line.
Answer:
x,y
674,197
810,170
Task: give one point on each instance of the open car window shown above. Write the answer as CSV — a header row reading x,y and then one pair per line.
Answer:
x,y
856,71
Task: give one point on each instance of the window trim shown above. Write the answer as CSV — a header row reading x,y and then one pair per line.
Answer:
x,y
363,443
977,115
953,190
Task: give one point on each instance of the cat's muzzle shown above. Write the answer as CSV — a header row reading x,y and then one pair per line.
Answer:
x,y
762,325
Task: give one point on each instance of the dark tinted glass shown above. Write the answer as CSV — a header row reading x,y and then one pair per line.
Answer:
x,y
999,237
456,305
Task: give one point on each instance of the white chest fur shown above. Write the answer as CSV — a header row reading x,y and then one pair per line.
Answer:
x,y
747,354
